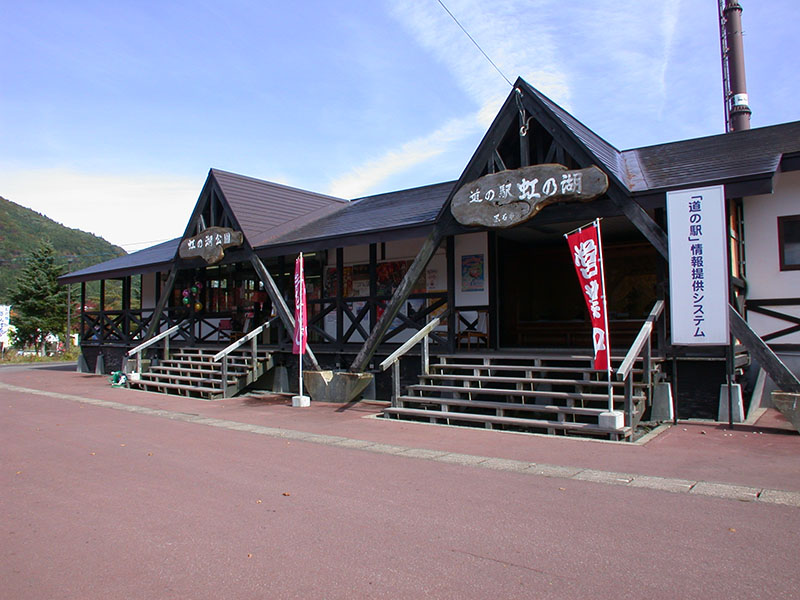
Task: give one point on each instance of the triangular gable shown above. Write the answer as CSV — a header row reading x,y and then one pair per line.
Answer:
x,y
252,206
553,136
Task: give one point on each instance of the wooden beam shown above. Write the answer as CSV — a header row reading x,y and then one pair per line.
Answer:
x,y
769,361
641,220
498,161
657,237
162,303
399,297
280,305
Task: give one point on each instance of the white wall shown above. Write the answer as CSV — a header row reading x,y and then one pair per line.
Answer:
x,y
149,290
765,280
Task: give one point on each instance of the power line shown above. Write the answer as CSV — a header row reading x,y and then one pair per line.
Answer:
x,y
64,257
476,43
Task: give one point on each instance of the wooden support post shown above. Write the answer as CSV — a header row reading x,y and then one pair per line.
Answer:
x,y
395,383
451,294
340,297
82,328
280,305
162,302
126,308
373,285
399,297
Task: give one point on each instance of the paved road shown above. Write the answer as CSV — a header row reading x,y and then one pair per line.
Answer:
x,y
108,493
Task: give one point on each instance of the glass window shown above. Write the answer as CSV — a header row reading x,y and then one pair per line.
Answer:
x,y
789,242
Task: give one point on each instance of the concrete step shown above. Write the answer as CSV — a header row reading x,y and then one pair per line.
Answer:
x,y
187,379
190,390
424,389
523,380
500,406
490,420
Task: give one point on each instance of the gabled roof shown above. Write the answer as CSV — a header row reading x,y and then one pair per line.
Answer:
x,y
716,158
701,161
607,155
260,206
393,211
278,219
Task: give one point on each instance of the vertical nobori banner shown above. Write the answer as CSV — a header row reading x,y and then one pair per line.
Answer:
x,y
300,309
698,266
587,256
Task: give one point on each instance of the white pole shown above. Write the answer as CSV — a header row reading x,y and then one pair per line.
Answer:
x,y
301,375
301,324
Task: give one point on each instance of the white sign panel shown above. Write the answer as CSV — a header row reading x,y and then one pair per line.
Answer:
x,y
698,266
5,319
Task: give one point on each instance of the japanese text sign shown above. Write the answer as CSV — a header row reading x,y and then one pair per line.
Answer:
x,y
508,198
210,244
300,309
698,266
587,256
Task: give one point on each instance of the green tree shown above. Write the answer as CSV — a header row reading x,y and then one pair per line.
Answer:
x,y
38,301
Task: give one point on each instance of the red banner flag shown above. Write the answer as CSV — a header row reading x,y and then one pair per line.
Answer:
x,y
587,256
300,309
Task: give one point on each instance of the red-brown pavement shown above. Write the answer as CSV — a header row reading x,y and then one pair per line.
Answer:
x,y
103,503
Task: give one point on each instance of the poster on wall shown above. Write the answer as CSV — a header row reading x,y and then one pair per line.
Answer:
x,y
472,273
698,265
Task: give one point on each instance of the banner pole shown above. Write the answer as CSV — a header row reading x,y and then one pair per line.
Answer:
x,y
602,261
301,325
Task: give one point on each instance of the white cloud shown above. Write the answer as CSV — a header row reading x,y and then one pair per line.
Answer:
x,y
367,177
514,34
511,47
132,211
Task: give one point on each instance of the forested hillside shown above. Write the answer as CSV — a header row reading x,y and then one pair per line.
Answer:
x,y
21,231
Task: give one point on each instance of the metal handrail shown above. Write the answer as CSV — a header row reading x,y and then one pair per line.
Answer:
x,y
251,337
645,333
241,341
412,341
641,346
144,345
393,360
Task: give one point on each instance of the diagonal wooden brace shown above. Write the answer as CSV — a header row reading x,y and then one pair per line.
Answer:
x,y
284,314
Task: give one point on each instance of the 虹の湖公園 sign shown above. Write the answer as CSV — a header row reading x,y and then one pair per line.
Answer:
x,y
210,245
508,198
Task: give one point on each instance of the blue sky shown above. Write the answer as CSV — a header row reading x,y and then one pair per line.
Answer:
x,y
111,113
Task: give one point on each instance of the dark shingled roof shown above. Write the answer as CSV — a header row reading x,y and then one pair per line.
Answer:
x,y
716,158
372,214
154,258
262,205
277,218
701,161
608,156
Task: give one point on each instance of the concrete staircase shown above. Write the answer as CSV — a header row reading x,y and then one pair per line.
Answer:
x,y
192,372
542,393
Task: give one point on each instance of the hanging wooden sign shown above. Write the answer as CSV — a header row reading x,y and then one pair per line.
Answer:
x,y
508,198
210,244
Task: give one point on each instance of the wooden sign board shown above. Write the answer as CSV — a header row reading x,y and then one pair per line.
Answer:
x,y
508,198
210,244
